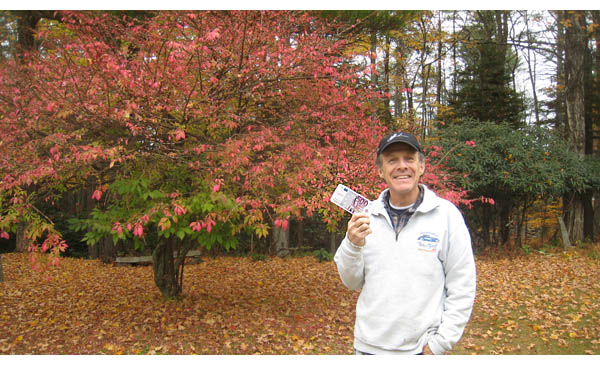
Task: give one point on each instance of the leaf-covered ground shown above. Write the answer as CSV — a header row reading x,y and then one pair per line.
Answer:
x,y
530,304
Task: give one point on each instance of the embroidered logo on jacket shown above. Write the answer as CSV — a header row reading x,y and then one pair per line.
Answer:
x,y
428,242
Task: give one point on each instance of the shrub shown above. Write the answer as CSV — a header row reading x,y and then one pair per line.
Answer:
x,y
257,256
322,255
513,167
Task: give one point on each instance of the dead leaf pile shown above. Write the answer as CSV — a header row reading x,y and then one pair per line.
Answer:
x,y
234,305
230,306
535,304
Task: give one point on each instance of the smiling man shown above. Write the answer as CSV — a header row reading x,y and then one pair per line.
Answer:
x,y
411,257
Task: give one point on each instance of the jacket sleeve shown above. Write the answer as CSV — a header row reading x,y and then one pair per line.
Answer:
x,y
350,264
460,286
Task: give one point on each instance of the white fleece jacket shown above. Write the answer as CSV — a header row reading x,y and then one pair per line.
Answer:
x,y
417,289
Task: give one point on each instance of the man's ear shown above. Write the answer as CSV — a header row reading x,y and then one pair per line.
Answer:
x,y
421,168
380,171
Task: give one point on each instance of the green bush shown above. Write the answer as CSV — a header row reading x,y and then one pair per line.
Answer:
x,y
496,160
514,167
257,256
322,255
526,249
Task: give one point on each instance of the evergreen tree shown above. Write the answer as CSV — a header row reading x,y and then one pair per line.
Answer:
x,y
484,89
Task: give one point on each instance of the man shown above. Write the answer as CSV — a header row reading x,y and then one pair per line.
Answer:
x,y
412,258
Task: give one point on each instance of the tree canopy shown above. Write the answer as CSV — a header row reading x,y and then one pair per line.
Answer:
x,y
194,125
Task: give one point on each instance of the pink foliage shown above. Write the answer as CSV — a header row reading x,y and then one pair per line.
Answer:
x,y
275,128
178,209
283,223
138,230
179,134
97,195
196,226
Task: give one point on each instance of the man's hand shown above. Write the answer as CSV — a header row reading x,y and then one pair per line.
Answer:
x,y
358,229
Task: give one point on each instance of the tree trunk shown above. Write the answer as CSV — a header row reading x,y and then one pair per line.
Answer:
x,y
374,78
564,234
531,67
386,87
594,215
501,17
281,240
22,242
520,224
93,251
486,224
560,109
26,25
166,275
424,120
332,243
424,79
399,83
438,96
588,216
454,67
505,223
574,216
26,28
300,232
576,47
591,112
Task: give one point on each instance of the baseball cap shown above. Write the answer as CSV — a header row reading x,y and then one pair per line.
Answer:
x,y
398,137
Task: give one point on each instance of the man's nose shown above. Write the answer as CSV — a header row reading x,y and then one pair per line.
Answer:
x,y
401,164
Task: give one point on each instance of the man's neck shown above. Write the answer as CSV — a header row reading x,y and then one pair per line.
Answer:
x,y
404,200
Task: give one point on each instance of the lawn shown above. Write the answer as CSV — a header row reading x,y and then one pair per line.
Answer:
x,y
540,303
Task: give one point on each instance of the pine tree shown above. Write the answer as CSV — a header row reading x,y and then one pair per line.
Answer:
x,y
484,89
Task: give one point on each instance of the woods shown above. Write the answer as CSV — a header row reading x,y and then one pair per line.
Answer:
x,y
155,133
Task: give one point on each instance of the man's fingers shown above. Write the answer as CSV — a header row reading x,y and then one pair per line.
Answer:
x,y
363,227
358,228
357,220
357,216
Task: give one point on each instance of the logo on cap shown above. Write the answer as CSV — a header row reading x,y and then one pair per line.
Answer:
x,y
401,134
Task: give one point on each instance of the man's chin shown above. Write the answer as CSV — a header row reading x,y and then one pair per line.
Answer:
x,y
402,189
402,184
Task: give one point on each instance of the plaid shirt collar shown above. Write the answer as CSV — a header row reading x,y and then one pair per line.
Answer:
x,y
400,218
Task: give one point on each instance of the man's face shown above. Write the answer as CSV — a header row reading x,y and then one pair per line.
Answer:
x,y
401,170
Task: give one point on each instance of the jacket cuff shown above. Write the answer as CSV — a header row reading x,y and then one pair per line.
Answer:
x,y
350,248
435,347
355,247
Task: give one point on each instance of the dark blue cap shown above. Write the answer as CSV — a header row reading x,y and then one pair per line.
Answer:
x,y
398,137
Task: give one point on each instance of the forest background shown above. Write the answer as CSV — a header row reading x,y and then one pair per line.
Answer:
x,y
165,133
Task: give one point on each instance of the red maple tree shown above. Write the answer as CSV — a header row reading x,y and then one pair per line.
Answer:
x,y
260,108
